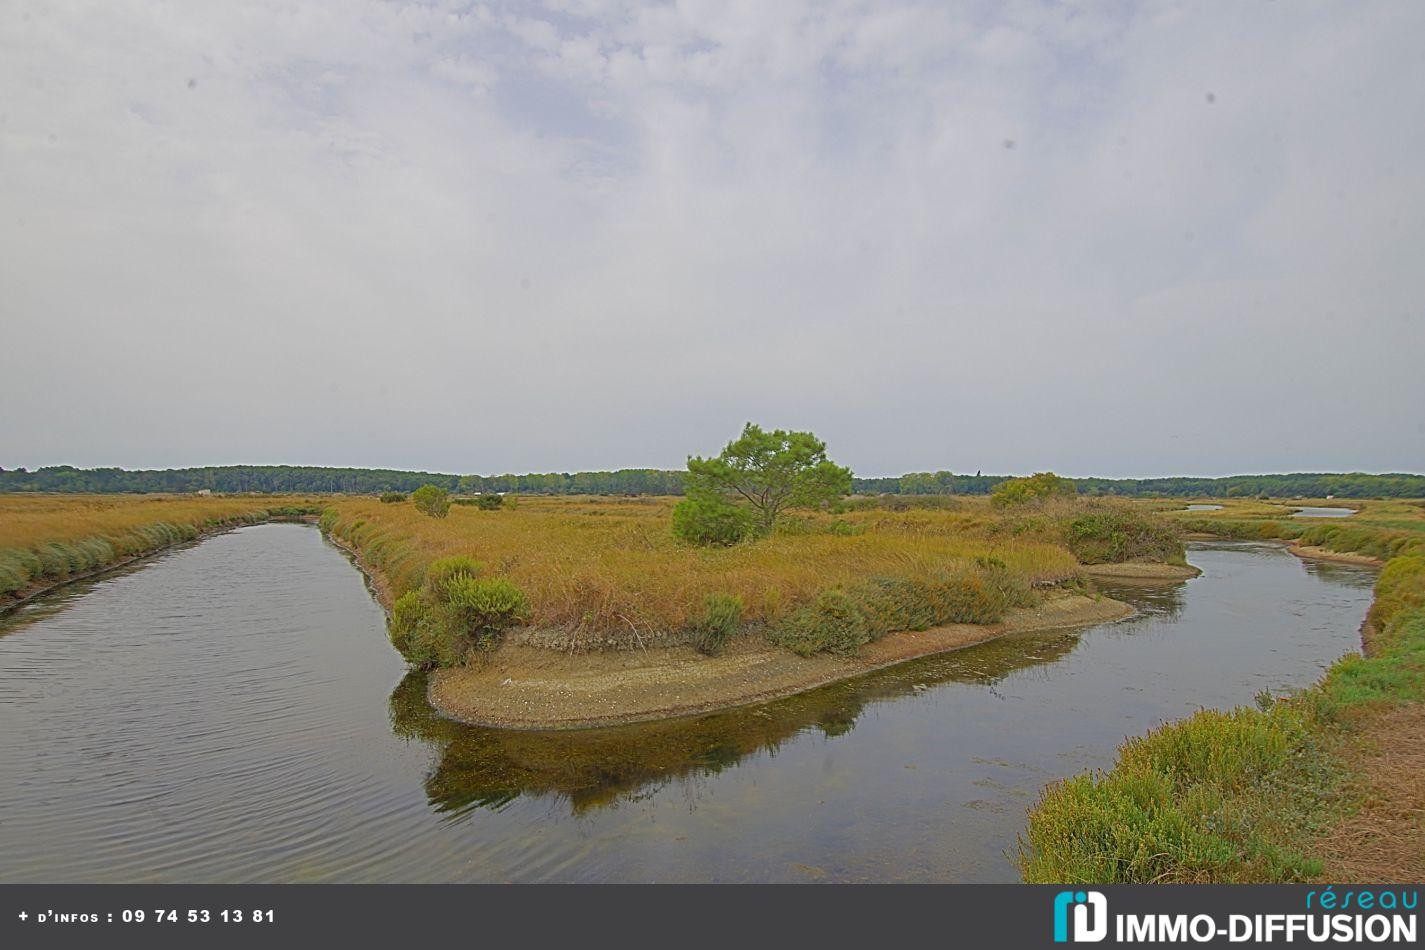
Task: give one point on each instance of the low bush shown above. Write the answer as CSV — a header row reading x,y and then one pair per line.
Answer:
x,y
897,603
440,572
710,520
486,502
833,623
431,500
721,616
841,620
392,497
455,611
1040,487
485,607
1113,533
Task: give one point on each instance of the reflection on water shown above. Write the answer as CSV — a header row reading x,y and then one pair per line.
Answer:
x,y
232,712
479,767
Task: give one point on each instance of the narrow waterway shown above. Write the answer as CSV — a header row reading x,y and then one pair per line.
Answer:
x,y
231,711
1312,512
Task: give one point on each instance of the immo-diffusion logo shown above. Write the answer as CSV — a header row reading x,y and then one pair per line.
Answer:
x,y
1090,916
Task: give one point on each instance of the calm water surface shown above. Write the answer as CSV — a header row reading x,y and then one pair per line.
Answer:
x,y
1309,512
231,711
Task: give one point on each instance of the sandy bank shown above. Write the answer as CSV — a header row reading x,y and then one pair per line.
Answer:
x,y
1142,570
1311,553
527,688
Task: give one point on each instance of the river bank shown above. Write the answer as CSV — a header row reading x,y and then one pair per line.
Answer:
x,y
522,687
1309,552
526,687
1324,783
1142,571
536,688
44,566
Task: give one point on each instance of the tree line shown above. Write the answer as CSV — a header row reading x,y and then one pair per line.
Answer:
x,y
293,479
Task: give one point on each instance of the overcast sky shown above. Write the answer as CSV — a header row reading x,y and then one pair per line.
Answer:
x,y
1100,238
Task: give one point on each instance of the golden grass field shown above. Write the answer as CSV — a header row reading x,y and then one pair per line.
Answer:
x,y
607,566
27,519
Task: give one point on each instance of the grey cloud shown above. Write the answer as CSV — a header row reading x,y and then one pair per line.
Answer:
x,y
498,237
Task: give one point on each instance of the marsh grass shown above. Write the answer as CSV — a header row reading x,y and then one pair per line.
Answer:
x,y
50,538
1239,796
599,569
721,618
1379,529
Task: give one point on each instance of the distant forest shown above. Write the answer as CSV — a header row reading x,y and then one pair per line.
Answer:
x,y
647,481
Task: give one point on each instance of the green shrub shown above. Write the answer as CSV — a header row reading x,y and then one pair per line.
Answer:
x,y
407,614
489,501
1117,533
1041,486
453,612
890,604
710,519
971,597
722,615
834,623
440,572
486,607
431,500
840,620
1009,587
392,497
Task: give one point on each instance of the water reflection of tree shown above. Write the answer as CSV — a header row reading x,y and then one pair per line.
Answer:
x,y
488,768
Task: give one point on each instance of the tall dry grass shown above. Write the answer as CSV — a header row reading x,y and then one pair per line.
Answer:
x,y
604,567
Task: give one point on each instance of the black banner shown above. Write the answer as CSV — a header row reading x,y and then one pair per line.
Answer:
x,y
633,915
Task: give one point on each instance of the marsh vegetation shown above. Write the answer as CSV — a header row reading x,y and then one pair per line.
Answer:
x,y
1251,794
45,540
